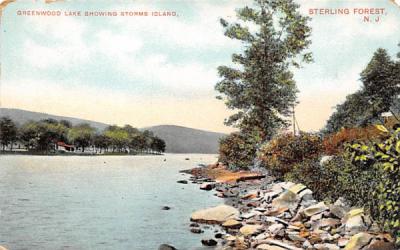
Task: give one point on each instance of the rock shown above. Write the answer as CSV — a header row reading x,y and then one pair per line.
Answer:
x,y
326,246
276,212
161,247
215,215
207,186
262,236
307,245
342,242
218,235
316,217
182,181
342,202
281,244
269,247
275,228
271,195
249,196
295,236
254,176
250,229
338,211
232,224
287,199
380,245
194,225
358,241
209,242
247,215
306,194
355,224
325,159
276,220
196,230
315,209
329,222
165,208
297,188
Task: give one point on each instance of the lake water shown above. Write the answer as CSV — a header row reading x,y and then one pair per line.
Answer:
x,y
103,202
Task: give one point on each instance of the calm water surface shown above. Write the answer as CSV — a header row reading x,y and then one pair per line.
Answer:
x,y
103,202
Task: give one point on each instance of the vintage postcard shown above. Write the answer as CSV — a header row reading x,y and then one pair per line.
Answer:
x,y
201,124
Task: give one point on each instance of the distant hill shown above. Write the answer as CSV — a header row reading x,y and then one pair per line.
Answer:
x,y
178,139
187,140
21,116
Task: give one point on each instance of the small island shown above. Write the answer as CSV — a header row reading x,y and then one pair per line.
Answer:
x,y
49,136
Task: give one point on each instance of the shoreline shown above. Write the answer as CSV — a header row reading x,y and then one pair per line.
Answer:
x,y
259,212
73,154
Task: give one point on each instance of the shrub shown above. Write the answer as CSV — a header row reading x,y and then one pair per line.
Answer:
x,y
280,154
334,143
238,150
384,156
336,178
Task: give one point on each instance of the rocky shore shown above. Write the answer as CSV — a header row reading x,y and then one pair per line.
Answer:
x,y
257,212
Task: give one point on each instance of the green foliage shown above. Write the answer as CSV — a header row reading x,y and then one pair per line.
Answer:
x,y
158,144
379,93
118,137
42,135
338,177
384,156
261,89
280,154
81,135
8,132
238,150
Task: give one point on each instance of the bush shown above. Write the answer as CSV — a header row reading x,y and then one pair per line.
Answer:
x,y
238,150
367,175
280,154
334,143
385,157
336,178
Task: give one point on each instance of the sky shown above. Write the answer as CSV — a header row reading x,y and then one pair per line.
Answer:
x,y
152,70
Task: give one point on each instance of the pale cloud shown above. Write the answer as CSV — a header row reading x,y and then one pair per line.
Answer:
x,y
116,45
114,107
203,32
67,49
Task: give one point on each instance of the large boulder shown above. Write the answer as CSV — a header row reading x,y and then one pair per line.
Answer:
x,y
215,215
358,241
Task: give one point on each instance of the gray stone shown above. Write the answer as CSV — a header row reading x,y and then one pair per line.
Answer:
x,y
275,228
209,242
207,186
315,209
217,215
161,247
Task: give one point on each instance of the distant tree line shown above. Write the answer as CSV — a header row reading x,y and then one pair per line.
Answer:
x,y
44,135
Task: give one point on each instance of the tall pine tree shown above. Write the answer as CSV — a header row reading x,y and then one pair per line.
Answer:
x,y
261,88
